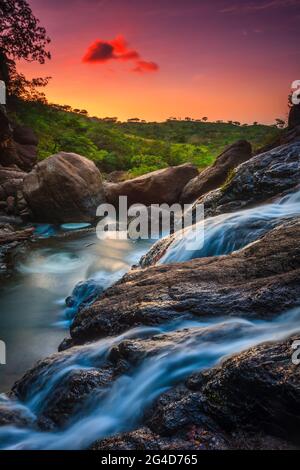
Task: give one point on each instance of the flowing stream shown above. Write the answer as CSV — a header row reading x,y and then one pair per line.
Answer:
x,y
33,318
121,406
47,274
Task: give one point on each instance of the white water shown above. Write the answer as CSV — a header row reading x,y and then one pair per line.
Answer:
x,y
122,406
226,233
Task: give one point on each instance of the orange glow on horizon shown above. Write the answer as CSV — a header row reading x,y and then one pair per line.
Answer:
x,y
196,60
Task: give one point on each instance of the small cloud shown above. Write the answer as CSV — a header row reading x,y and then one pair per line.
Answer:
x,y
144,66
101,51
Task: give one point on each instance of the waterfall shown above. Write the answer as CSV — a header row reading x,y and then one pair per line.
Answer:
x,y
121,405
229,232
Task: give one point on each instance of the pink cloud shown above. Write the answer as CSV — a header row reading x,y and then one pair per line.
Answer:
x,y
101,51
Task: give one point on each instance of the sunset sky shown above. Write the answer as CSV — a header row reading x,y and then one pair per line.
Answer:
x,y
225,59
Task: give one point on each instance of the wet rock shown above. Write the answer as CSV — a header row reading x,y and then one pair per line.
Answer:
x,y
14,414
259,179
69,393
250,401
156,252
83,295
242,403
71,396
255,282
157,187
215,175
145,439
64,188
257,389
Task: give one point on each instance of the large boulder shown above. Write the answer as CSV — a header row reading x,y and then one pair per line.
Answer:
x,y
157,187
65,187
215,175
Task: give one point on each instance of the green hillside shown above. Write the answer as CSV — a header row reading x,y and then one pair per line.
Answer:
x,y
135,147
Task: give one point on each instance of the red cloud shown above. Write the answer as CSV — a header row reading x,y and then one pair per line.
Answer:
x,y
101,51
144,66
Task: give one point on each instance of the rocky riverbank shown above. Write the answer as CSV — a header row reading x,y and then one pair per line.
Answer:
x,y
193,355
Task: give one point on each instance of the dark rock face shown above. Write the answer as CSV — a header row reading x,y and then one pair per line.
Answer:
x,y
25,136
259,388
5,128
294,116
193,438
261,178
214,176
64,188
256,282
27,156
18,147
11,181
250,401
161,186
26,143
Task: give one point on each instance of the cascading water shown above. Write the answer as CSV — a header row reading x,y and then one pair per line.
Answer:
x,y
229,232
122,404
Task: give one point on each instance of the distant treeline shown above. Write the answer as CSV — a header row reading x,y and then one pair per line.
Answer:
x,y
134,146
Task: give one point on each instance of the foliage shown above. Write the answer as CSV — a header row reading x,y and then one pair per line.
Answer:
x,y
134,147
21,36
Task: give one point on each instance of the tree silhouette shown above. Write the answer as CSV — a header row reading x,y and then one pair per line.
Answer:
x,y
21,37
